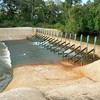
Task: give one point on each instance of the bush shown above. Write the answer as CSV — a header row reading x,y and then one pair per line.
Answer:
x,y
7,23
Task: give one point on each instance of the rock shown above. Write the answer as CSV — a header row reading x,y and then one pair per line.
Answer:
x,y
74,92
92,71
22,94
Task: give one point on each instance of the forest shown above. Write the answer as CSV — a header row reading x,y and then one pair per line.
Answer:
x,y
71,16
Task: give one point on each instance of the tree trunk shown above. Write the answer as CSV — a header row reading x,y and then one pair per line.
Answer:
x,y
32,12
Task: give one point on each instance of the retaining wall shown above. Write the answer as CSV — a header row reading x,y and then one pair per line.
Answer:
x,y
16,33
90,46
78,43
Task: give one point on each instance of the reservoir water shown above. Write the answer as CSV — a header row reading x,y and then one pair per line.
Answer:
x,y
28,52
5,66
21,52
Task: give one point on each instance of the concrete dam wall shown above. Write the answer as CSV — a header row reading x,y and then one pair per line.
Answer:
x,y
16,33
38,74
19,33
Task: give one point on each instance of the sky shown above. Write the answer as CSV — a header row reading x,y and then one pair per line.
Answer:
x,y
84,1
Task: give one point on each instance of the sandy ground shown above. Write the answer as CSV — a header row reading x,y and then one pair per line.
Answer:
x,y
51,82
40,76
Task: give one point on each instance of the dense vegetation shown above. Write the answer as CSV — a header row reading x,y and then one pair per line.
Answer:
x,y
69,16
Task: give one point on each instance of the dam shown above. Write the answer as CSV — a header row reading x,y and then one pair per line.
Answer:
x,y
41,50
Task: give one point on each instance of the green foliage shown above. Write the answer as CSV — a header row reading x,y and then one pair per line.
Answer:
x,y
21,23
70,16
97,18
7,23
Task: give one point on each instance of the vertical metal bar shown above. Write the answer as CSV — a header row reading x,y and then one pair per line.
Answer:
x,y
70,37
49,33
66,35
75,36
35,31
81,38
61,36
52,34
88,37
55,34
41,31
46,32
95,40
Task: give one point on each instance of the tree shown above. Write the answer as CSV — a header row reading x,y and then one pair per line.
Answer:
x,y
97,16
73,2
68,16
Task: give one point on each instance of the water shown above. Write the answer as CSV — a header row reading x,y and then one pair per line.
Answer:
x,y
5,66
22,52
29,52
